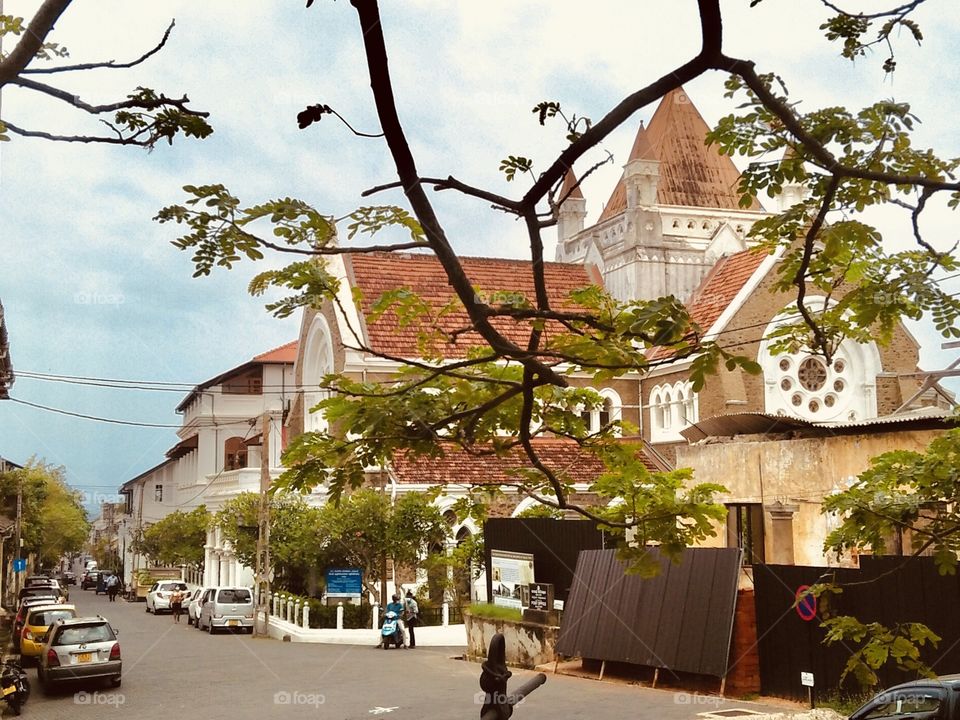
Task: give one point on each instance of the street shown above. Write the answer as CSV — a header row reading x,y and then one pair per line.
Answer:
x,y
175,670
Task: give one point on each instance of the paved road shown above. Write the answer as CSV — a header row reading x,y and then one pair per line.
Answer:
x,y
175,671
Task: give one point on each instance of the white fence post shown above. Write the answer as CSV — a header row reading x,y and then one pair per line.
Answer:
x,y
289,610
306,616
339,616
376,617
276,603
446,614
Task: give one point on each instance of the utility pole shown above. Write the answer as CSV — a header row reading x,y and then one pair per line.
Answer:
x,y
262,569
18,540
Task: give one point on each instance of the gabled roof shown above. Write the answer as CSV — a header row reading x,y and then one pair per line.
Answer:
x,y
497,280
128,485
458,467
283,355
6,365
570,189
691,173
718,289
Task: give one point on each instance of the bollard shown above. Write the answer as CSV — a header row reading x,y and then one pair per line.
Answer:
x,y
289,609
375,624
446,614
339,616
306,616
276,603
296,611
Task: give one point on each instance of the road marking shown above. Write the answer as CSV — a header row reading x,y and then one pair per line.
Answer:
x,y
381,710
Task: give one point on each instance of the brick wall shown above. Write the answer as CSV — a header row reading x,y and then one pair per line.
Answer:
x,y
743,677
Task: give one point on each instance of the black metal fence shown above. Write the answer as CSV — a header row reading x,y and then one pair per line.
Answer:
x,y
888,590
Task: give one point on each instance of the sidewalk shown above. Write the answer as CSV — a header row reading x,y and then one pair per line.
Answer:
x,y
427,635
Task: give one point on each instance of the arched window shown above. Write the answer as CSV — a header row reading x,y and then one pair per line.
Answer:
x,y
672,408
234,454
609,411
317,362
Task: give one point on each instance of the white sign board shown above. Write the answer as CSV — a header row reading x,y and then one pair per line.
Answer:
x,y
511,571
806,679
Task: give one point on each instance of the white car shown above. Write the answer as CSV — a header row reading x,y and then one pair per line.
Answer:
x,y
226,608
193,603
158,597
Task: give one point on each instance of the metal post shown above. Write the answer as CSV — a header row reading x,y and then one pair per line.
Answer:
x,y
262,569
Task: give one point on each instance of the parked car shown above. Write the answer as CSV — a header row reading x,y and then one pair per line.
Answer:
x,y
90,579
68,578
42,590
21,617
38,620
80,649
226,607
37,580
193,605
158,599
931,698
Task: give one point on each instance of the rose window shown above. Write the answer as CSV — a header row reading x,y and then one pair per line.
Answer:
x,y
813,390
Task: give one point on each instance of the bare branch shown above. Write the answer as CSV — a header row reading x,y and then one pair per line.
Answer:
x,y
451,183
78,138
110,64
901,11
161,101
32,40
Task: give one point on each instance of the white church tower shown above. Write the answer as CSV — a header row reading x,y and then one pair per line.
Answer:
x,y
674,212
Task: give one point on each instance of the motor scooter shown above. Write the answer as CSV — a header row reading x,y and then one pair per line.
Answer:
x,y
390,631
14,685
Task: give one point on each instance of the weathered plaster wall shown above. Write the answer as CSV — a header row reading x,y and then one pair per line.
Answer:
x,y
796,472
527,644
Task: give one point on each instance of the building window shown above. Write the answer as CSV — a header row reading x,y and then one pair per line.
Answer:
x,y
745,530
234,454
672,408
249,383
609,411
158,493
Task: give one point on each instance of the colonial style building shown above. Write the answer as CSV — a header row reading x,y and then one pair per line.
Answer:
x,y
218,456
673,224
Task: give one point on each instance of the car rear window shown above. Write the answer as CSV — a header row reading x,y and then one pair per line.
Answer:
x,y
234,595
45,618
173,586
78,634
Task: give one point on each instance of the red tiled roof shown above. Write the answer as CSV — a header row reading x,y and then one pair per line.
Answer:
x,y
570,187
691,173
718,289
458,467
283,354
497,280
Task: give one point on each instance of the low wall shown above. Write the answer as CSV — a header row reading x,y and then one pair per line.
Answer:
x,y
527,644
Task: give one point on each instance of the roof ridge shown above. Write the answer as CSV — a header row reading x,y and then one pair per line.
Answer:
x,y
286,345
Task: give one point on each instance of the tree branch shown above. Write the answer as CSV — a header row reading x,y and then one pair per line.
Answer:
x,y
32,40
77,138
111,64
75,101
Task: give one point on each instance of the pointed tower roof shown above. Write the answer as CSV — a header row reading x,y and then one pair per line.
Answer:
x,y
690,172
570,189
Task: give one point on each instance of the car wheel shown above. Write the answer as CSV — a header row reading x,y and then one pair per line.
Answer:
x,y
210,627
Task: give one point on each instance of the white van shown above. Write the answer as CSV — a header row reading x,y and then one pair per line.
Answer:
x,y
226,607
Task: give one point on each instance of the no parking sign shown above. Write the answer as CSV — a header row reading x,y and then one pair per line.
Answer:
x,y
806,603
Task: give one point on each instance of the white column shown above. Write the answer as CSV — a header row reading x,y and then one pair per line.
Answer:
x,y
339,616
306,615
375,623
224,567
446,614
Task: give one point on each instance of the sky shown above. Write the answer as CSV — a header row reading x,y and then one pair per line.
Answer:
x,y
92,286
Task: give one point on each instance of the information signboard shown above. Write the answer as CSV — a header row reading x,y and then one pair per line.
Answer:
x,y
511,571
344,582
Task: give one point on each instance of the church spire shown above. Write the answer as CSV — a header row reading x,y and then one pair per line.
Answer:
x,y
572,210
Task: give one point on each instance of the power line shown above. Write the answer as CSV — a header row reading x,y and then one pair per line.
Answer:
x,y
114,421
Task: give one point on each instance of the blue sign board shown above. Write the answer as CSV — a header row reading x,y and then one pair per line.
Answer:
x,y
19,564
344,582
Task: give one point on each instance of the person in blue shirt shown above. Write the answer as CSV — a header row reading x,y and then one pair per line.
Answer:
x,y
397,607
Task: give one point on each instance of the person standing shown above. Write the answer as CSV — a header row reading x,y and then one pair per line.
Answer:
x,y
411,614
113,585
176,605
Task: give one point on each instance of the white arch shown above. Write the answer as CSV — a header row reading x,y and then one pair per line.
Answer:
x,y
317,362
848,390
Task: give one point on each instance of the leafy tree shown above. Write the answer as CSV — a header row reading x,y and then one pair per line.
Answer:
x,y
299,542
54,520
104,551
369,529
142,118
505,393
177,539
454,572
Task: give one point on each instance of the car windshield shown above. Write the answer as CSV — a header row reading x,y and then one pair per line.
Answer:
x,y
82,634
46,618
234,595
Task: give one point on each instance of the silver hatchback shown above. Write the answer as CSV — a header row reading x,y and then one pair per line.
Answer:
x,y
80,649
226,607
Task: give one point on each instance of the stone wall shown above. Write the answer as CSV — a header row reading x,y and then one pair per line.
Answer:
x,y
743,675
527,644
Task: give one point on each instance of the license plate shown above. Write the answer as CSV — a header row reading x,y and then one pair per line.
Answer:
x,y
233,623
10,690
84,657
